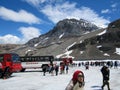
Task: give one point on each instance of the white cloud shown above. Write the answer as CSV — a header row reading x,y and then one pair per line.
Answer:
x,y
9,39
105,11
41,3
21,16
112,10
69,10
114,5
57,10
29,33
35,2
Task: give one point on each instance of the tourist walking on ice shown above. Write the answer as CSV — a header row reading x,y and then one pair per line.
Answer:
x,y
56,69
67,68
105,73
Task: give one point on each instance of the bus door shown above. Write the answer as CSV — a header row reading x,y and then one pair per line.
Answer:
x,y
16,63
7,60
2,63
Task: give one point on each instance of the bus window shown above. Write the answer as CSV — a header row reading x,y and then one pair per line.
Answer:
x,y
1,58
46,59
41,59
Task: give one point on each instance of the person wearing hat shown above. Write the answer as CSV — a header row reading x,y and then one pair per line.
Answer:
x,y
77,81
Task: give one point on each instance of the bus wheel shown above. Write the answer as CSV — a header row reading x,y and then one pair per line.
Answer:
x,y
1,73
23,70
7,73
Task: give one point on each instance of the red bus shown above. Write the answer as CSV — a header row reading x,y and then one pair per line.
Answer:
x,y
67,61
9,63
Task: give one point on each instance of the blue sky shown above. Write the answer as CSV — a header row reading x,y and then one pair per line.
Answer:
x,y
22,20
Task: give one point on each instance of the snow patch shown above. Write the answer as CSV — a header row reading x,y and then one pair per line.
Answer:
x,y
70,46
117,51
102,33
36,44
46,38
106,54
42,41
61,36
99,46
66,54
81,41
87,32
28,51
81,52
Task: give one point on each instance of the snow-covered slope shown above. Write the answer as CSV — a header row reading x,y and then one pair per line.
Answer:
x,y
36,81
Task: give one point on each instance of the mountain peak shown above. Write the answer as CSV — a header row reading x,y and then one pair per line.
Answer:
x,y
81,23
65,28
73,27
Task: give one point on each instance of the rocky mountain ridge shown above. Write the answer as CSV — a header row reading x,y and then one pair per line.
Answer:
x,y
63,29
76,38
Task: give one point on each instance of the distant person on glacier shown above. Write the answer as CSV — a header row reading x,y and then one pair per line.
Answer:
x,y
77,81
56,69
67,68
115,64
105,73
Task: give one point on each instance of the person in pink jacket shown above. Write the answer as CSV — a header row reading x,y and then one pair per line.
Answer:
x,y
77,81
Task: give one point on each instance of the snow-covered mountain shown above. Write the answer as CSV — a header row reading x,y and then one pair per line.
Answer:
x,y
79,39
63,29
104,44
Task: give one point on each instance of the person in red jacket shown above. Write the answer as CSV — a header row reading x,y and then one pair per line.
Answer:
x,y
77,81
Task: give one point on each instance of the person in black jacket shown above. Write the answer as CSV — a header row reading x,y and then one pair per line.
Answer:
x,y
44,69
105,73
56,69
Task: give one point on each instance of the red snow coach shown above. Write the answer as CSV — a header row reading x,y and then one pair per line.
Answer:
x,y
67,61
9,63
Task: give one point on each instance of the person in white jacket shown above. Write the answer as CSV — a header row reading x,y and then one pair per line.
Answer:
x,y
77,81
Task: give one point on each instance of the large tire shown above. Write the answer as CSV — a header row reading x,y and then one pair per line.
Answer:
x,y
6,73
23,70
1,73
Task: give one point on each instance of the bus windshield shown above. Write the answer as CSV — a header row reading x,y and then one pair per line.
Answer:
x,y
15,58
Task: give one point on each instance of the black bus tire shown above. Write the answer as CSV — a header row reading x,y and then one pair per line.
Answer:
x,y
1,73
6,73
23,70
